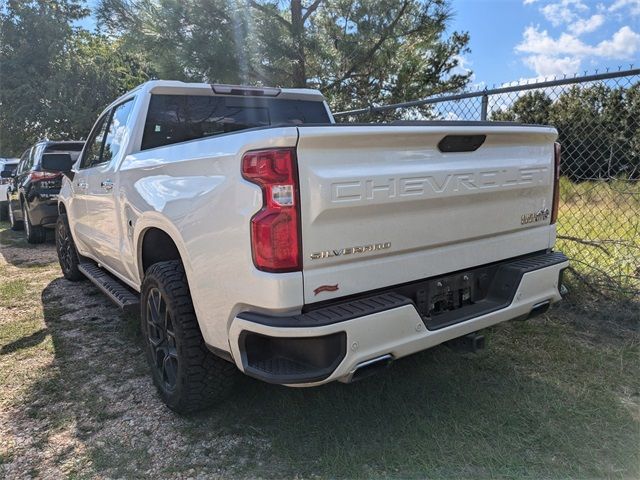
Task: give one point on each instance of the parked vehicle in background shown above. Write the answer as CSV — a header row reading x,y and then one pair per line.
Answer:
x,y
253,233
33,193
7,167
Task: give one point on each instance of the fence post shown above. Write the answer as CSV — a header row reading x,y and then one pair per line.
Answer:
x,y
485,106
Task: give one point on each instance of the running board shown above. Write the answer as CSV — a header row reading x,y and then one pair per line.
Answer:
x,y
121,295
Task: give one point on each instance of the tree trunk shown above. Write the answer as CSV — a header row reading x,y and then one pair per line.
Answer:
x,y
299,74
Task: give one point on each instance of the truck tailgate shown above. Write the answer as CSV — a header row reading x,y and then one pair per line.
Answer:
x,y
382,205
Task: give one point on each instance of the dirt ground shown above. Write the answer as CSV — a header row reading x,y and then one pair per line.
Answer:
x,y
556,397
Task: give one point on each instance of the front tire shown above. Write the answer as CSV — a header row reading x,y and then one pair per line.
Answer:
x,y
66,248
187,375
35,233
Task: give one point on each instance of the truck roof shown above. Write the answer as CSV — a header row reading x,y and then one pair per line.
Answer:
x,y
176,87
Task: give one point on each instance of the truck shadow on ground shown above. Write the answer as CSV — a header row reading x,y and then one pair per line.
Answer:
x,y
15,249
518,408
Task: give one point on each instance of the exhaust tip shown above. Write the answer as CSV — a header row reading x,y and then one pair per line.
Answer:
x,y
370,367
539,309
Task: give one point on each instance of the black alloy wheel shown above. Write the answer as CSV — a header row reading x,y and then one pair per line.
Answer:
x,y
161,339
67,254
187,375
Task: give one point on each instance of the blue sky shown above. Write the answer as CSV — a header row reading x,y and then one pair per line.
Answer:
x,y
521,39
513,40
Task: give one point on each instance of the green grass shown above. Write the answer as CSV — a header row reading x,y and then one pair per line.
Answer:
x,y
12,290
602,223
540,403
554,397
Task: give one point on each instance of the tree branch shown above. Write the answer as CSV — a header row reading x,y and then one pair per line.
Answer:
x,y
270,12
310,9
584,280
385,35
585,242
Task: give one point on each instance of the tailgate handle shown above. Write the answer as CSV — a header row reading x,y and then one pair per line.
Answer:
x,y
461,143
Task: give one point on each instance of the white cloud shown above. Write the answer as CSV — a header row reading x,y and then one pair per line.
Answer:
x,y
587,25
450,116
634,6
550,56
564,11
549,66
622,45
529,2
463,67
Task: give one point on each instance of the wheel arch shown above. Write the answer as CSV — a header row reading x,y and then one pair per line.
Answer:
x,y
156,246
62,208
157,241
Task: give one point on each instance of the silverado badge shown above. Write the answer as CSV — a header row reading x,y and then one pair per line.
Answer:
x,y
350,250
538,216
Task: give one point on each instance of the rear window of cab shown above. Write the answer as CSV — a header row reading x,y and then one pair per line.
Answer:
x,y
180,118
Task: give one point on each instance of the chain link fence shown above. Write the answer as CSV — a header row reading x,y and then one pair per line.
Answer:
x,y
598,120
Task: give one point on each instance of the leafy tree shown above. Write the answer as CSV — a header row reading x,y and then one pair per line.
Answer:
x,y
357,52
598,128
632,128
91,74
32,35
532,107
188,40
55,79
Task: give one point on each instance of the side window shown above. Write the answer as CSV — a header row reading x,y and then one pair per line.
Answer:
x,y
35,157
30,159
23,161
115,133
93,147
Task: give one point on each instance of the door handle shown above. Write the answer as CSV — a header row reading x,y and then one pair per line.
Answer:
x,y
82,185
107,184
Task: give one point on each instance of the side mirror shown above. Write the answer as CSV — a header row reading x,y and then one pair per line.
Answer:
x,y
6,174
56,162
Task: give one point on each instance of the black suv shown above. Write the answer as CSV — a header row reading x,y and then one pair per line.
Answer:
x,y
33,193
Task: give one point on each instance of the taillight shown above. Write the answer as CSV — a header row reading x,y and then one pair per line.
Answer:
x,y
275,229
39,176
556,183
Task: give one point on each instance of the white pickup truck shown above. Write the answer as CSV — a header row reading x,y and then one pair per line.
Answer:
x,y
251,232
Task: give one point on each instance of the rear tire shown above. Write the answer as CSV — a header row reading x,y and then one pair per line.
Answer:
x,y
15,224
187,375
67,254
35,233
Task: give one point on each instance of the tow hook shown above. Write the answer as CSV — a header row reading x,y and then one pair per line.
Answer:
x,y
473,342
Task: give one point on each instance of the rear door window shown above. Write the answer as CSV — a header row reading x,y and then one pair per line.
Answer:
x,y
179,118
